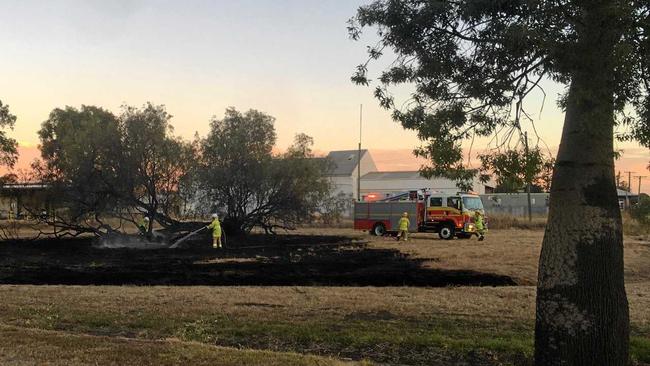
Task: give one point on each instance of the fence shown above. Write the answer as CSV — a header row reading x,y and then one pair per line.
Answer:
x,y
515,204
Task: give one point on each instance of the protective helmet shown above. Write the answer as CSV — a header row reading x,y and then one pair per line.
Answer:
x,y
146,219
215,216
405,214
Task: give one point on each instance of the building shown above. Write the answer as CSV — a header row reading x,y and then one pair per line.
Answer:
x,y
624,196
24,200
379,185
345,170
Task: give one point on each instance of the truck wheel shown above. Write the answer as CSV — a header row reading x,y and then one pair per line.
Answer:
x,y
378,230
446,232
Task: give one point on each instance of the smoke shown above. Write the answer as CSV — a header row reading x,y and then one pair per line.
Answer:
x,y
126,242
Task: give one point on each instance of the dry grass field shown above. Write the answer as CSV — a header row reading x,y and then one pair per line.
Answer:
x,y
510,252
306,325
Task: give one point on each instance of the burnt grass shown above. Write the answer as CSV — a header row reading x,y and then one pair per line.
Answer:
x,y
283,260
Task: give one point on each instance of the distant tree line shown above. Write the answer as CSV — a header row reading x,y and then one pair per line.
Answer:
x,y
514,169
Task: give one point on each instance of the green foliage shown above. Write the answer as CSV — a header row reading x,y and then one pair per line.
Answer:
x,y
641,211
513,169
242,176
333,208
81,156
8,146
471,64
106,166
640,349
155,162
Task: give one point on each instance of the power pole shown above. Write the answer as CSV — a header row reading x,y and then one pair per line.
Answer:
x,y
530,204
628,190
640,177
359,155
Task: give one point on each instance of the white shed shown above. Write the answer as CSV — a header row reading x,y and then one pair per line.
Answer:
x,y
345,170
387,184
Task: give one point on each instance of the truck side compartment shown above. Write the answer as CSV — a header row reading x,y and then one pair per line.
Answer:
x,y
367,215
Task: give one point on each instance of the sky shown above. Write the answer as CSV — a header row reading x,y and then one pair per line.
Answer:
x,y
289,58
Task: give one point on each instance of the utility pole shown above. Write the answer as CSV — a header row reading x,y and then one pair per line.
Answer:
x,y
359,155
628,190
530,204
640,177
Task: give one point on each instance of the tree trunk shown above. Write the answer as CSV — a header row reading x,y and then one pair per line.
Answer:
x,y
582,310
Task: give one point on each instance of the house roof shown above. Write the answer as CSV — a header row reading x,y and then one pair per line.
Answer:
x,y
344,162
623,193
23,186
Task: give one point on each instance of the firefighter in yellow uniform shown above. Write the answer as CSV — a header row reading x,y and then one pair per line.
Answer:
x,y
215,225
143,226
404,224
480,225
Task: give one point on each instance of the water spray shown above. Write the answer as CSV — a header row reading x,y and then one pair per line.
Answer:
x,y
181,240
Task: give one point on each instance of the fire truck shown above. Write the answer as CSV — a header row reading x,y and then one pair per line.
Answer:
x,y
449,215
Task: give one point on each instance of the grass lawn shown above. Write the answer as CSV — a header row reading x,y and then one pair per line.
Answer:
x,y
313,325
30,346
484,326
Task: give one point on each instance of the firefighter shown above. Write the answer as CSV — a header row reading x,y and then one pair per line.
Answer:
x,y
143,225
404,224
216,231
480,225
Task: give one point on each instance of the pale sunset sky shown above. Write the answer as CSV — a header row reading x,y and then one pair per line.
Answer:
x,y
289,58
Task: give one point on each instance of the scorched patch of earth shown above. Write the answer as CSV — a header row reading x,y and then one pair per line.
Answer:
x,y
287,260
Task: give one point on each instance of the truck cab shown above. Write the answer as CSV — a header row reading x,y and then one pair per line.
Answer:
x,y
452,215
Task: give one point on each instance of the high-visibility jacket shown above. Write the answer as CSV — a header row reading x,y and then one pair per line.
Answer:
x,y
216,228
404,223
144,225
478,220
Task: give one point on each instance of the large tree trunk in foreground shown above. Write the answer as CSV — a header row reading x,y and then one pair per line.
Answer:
x,y
582,310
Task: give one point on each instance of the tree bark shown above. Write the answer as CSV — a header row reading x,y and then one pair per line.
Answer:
x,y
582,309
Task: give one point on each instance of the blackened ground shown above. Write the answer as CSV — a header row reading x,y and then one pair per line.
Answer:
x,y
285,260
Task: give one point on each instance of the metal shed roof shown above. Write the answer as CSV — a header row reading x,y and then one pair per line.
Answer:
x,y
623,193
345,161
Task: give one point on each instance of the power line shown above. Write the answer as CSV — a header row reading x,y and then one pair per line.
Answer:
x,y
641,177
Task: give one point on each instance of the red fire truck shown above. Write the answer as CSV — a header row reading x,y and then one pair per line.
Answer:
x,y
449,215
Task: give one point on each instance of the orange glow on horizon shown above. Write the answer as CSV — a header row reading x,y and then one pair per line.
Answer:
x,y
635,160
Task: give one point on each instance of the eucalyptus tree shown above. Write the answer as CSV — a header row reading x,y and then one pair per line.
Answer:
x,y
514,168
102,167
252,185
81,152
154,163
8,146
471,64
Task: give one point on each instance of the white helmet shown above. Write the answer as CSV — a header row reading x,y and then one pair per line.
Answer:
x,y
215,216
146,219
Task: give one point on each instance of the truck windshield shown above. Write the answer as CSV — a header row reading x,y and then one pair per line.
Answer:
x,y
472,203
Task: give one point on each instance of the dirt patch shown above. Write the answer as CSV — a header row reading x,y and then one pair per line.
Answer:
x,y
287,260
